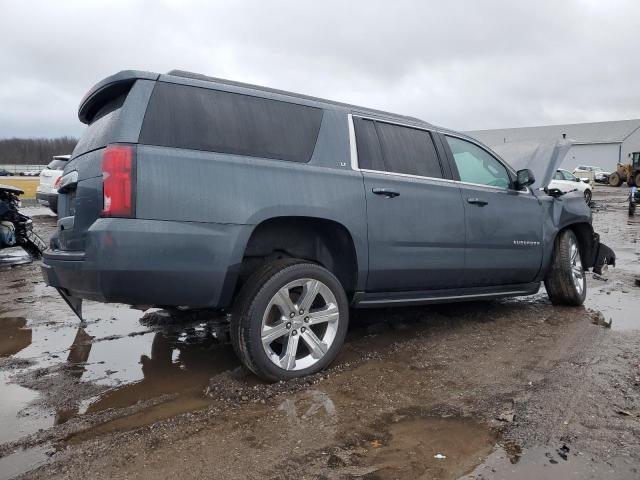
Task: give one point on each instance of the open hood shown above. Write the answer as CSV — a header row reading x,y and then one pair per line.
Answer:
x,y
541,157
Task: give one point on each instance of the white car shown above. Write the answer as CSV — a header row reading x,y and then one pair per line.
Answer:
x,y
47,191
565,181
599,174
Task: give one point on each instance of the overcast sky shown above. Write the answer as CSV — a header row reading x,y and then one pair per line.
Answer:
x,y
460,64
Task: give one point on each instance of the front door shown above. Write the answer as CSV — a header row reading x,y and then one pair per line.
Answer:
x,y
415,217
503,225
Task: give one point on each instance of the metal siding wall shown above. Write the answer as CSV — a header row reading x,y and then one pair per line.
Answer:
x,y
599,155
631,144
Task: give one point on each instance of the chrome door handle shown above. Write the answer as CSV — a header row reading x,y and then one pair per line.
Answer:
x,y
385,192
477,201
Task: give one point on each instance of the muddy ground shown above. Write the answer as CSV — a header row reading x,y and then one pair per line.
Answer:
x,y
503,389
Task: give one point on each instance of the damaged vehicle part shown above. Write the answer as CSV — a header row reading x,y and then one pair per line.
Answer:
x,y
16,229
286,210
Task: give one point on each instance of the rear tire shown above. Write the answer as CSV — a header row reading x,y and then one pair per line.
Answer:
x,y
289,320
587,196
566,280
615,180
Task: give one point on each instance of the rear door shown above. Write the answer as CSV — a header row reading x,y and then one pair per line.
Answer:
x,y
414,213
503,225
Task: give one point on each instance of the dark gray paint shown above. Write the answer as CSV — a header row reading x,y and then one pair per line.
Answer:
x,y
196,211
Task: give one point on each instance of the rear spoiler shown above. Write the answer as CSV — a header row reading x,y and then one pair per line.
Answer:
x,y
107,89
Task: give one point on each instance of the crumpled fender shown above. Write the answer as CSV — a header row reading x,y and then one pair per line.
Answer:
x,y
601,255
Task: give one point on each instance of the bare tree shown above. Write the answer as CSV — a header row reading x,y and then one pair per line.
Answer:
x,y
34,151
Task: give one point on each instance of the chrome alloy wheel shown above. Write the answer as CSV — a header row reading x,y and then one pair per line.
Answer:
x,y
577,273
300,324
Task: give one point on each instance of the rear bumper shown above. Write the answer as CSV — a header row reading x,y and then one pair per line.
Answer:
x,y
49,199
148,262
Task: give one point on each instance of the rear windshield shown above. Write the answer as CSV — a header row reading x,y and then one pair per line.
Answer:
x,y
57,165
98,132
202,119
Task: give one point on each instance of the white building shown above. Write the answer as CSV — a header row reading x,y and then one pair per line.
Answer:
x,y
602,144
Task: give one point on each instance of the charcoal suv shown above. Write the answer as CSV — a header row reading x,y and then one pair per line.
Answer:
x,y
286,210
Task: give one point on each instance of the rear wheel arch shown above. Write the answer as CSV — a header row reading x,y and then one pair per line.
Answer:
x,y
325,242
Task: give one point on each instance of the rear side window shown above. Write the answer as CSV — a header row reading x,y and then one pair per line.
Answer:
x,y
201,119
408,150
369,152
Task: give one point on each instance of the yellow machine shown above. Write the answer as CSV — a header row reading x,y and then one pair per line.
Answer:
x,y
629,173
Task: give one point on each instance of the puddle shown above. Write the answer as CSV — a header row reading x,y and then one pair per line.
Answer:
x,y
57,370
404,444
14,336
551,464
618,308
22,461
16,416
618,297
435,448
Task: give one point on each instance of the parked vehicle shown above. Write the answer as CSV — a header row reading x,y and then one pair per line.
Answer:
x,y
30,173
16,228
47,192
599,174
565,181
285,210
5,173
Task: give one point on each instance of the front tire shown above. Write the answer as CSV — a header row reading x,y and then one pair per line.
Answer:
x,y
566,281
289,320
615,180
587,196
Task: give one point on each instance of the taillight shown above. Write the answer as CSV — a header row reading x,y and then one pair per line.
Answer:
x,y
56,184
118,181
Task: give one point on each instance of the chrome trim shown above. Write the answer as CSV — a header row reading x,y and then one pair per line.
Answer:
x,y
447,180
407,175
423,299
353,147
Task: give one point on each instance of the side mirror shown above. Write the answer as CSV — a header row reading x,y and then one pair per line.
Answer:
x,y
525,178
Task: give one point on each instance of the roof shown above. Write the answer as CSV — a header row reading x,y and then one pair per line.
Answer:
x,y
355,108
585,133
123,80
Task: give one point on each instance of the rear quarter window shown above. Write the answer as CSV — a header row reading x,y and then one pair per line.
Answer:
x,y
211,120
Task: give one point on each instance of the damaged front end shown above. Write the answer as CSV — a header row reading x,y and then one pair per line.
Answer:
x,y
599,256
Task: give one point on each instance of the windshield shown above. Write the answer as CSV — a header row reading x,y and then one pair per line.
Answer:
x,y
541,157
57,164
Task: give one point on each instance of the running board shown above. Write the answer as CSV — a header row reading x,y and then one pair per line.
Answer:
x,y
425,297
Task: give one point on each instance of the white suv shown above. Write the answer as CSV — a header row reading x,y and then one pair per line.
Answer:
x,y
47,192
565,181
599,174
